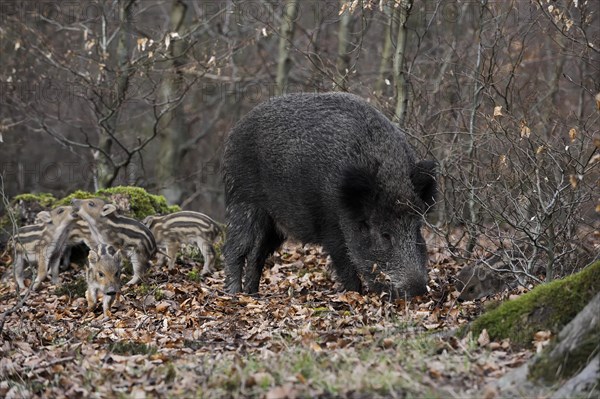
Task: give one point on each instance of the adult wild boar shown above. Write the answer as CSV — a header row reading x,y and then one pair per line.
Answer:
x,y
327,169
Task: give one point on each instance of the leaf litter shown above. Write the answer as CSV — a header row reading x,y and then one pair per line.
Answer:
x,y
302,336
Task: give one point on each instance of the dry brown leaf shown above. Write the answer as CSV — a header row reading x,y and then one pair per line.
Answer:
x,y
525,130
162,307
286,391
484,338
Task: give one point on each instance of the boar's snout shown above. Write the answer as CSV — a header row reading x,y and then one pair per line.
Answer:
x,y
417,288
75,203
410,289
112,289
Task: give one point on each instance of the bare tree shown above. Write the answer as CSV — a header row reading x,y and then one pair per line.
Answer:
x,y
343,56
284,64
400,78
172,133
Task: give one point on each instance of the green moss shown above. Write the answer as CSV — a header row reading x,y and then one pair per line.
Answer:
x,y
79,194
143,289
194,275
159,294
547,307
44,199
141,202
173,208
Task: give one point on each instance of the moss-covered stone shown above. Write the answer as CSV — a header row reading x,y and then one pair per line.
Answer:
x,y
547,307
45,200
141,203
132,201
79,194
25,207
572,349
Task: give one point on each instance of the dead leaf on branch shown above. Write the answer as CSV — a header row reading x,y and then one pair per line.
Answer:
x,y
525,130
498,111
572,134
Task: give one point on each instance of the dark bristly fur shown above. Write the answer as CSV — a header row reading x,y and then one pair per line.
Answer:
x,y
327,169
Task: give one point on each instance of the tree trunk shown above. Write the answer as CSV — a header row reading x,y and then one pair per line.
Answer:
x,y
105,169
400,78
471,175
288,25
172,127
386,54
343,57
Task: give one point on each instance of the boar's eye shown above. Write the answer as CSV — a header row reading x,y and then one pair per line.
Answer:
x,y
60,210
386,236
100,274
471,290
118,273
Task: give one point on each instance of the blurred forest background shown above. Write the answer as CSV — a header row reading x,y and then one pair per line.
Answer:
x,y
503,94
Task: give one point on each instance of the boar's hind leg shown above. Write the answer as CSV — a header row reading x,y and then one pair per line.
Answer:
x,y
267,242
238,243
251,238
344,268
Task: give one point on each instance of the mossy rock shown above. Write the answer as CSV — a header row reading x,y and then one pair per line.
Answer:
x,y
132,201
573,349
141,203
547,307
79,194
25,207
45,200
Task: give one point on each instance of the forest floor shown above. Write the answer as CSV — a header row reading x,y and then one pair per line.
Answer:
x,y
181,336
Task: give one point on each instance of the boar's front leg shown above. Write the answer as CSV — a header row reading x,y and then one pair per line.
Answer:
x,y
19,264
344,268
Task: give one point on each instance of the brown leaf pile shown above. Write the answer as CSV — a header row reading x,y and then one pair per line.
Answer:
x,y
301,336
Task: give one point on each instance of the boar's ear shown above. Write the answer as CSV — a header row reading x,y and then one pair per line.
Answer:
x,y
44,217
93,256
358,189
117,256
148,221
423,180
108,209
